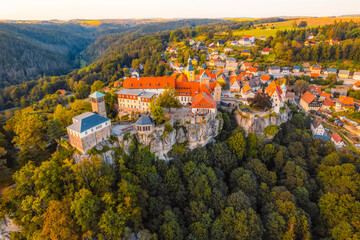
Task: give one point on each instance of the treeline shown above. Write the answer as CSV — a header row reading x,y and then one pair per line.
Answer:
x,y
288,45
146,50
294,187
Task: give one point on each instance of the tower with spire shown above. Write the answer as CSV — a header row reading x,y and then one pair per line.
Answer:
x,y
189,71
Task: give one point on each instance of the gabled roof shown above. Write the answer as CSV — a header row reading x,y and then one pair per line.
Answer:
x,y
357,84
245,88
203,100
337,138
96,95
344,72
347,101
265,77
308,97
253,70
273,88
316,123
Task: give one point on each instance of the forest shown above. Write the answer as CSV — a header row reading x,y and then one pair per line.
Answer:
x,y
31,51
293,187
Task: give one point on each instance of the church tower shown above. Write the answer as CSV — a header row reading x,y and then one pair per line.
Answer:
x,y
190,72
98,103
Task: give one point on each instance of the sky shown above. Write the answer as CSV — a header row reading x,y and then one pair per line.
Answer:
x,y
123,9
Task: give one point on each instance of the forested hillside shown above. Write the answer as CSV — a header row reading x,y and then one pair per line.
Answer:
x,y
29,51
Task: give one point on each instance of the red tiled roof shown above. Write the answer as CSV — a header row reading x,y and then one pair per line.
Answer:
x,y
357,84
316,89
336,138
308,97
265,77
208,72
253,70
348,101
203,100
149,82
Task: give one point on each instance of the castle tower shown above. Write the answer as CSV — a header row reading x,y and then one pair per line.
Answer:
x,y
217,92
190,72
98,103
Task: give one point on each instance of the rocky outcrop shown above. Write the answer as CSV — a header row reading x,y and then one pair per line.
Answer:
x,y
6,227
104,150
256,122
197,131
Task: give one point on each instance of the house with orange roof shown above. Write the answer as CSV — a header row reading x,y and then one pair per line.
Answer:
x,y
246,91
309,101
337,140
344,103
235,85
315,71
326,100
356,85
253,71
265,51
245,66
203,104
265,78
277,96
155,84
356,76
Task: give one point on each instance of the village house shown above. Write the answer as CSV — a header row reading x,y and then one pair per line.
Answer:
x,y
245,66
337,140
330,71
285,70
297,69
253,71
265,79
309,102
265,51
277,96
203,104
246,91
315,70
356,76
273,70
344,74
244,42
344,103
135,100
317,128
235,85
90,128
356,86
246,53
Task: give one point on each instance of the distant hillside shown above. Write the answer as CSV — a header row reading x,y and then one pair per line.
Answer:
x,y
109,42
30,49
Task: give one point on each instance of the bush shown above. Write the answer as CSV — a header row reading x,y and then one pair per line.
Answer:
x,y
271,130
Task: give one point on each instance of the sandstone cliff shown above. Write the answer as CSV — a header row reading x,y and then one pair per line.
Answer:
x,y
256,122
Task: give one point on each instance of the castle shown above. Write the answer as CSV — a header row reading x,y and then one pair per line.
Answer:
x,y
90,128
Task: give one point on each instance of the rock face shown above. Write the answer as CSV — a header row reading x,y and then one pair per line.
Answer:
x,y
6,227
197,131
104,151
257,122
